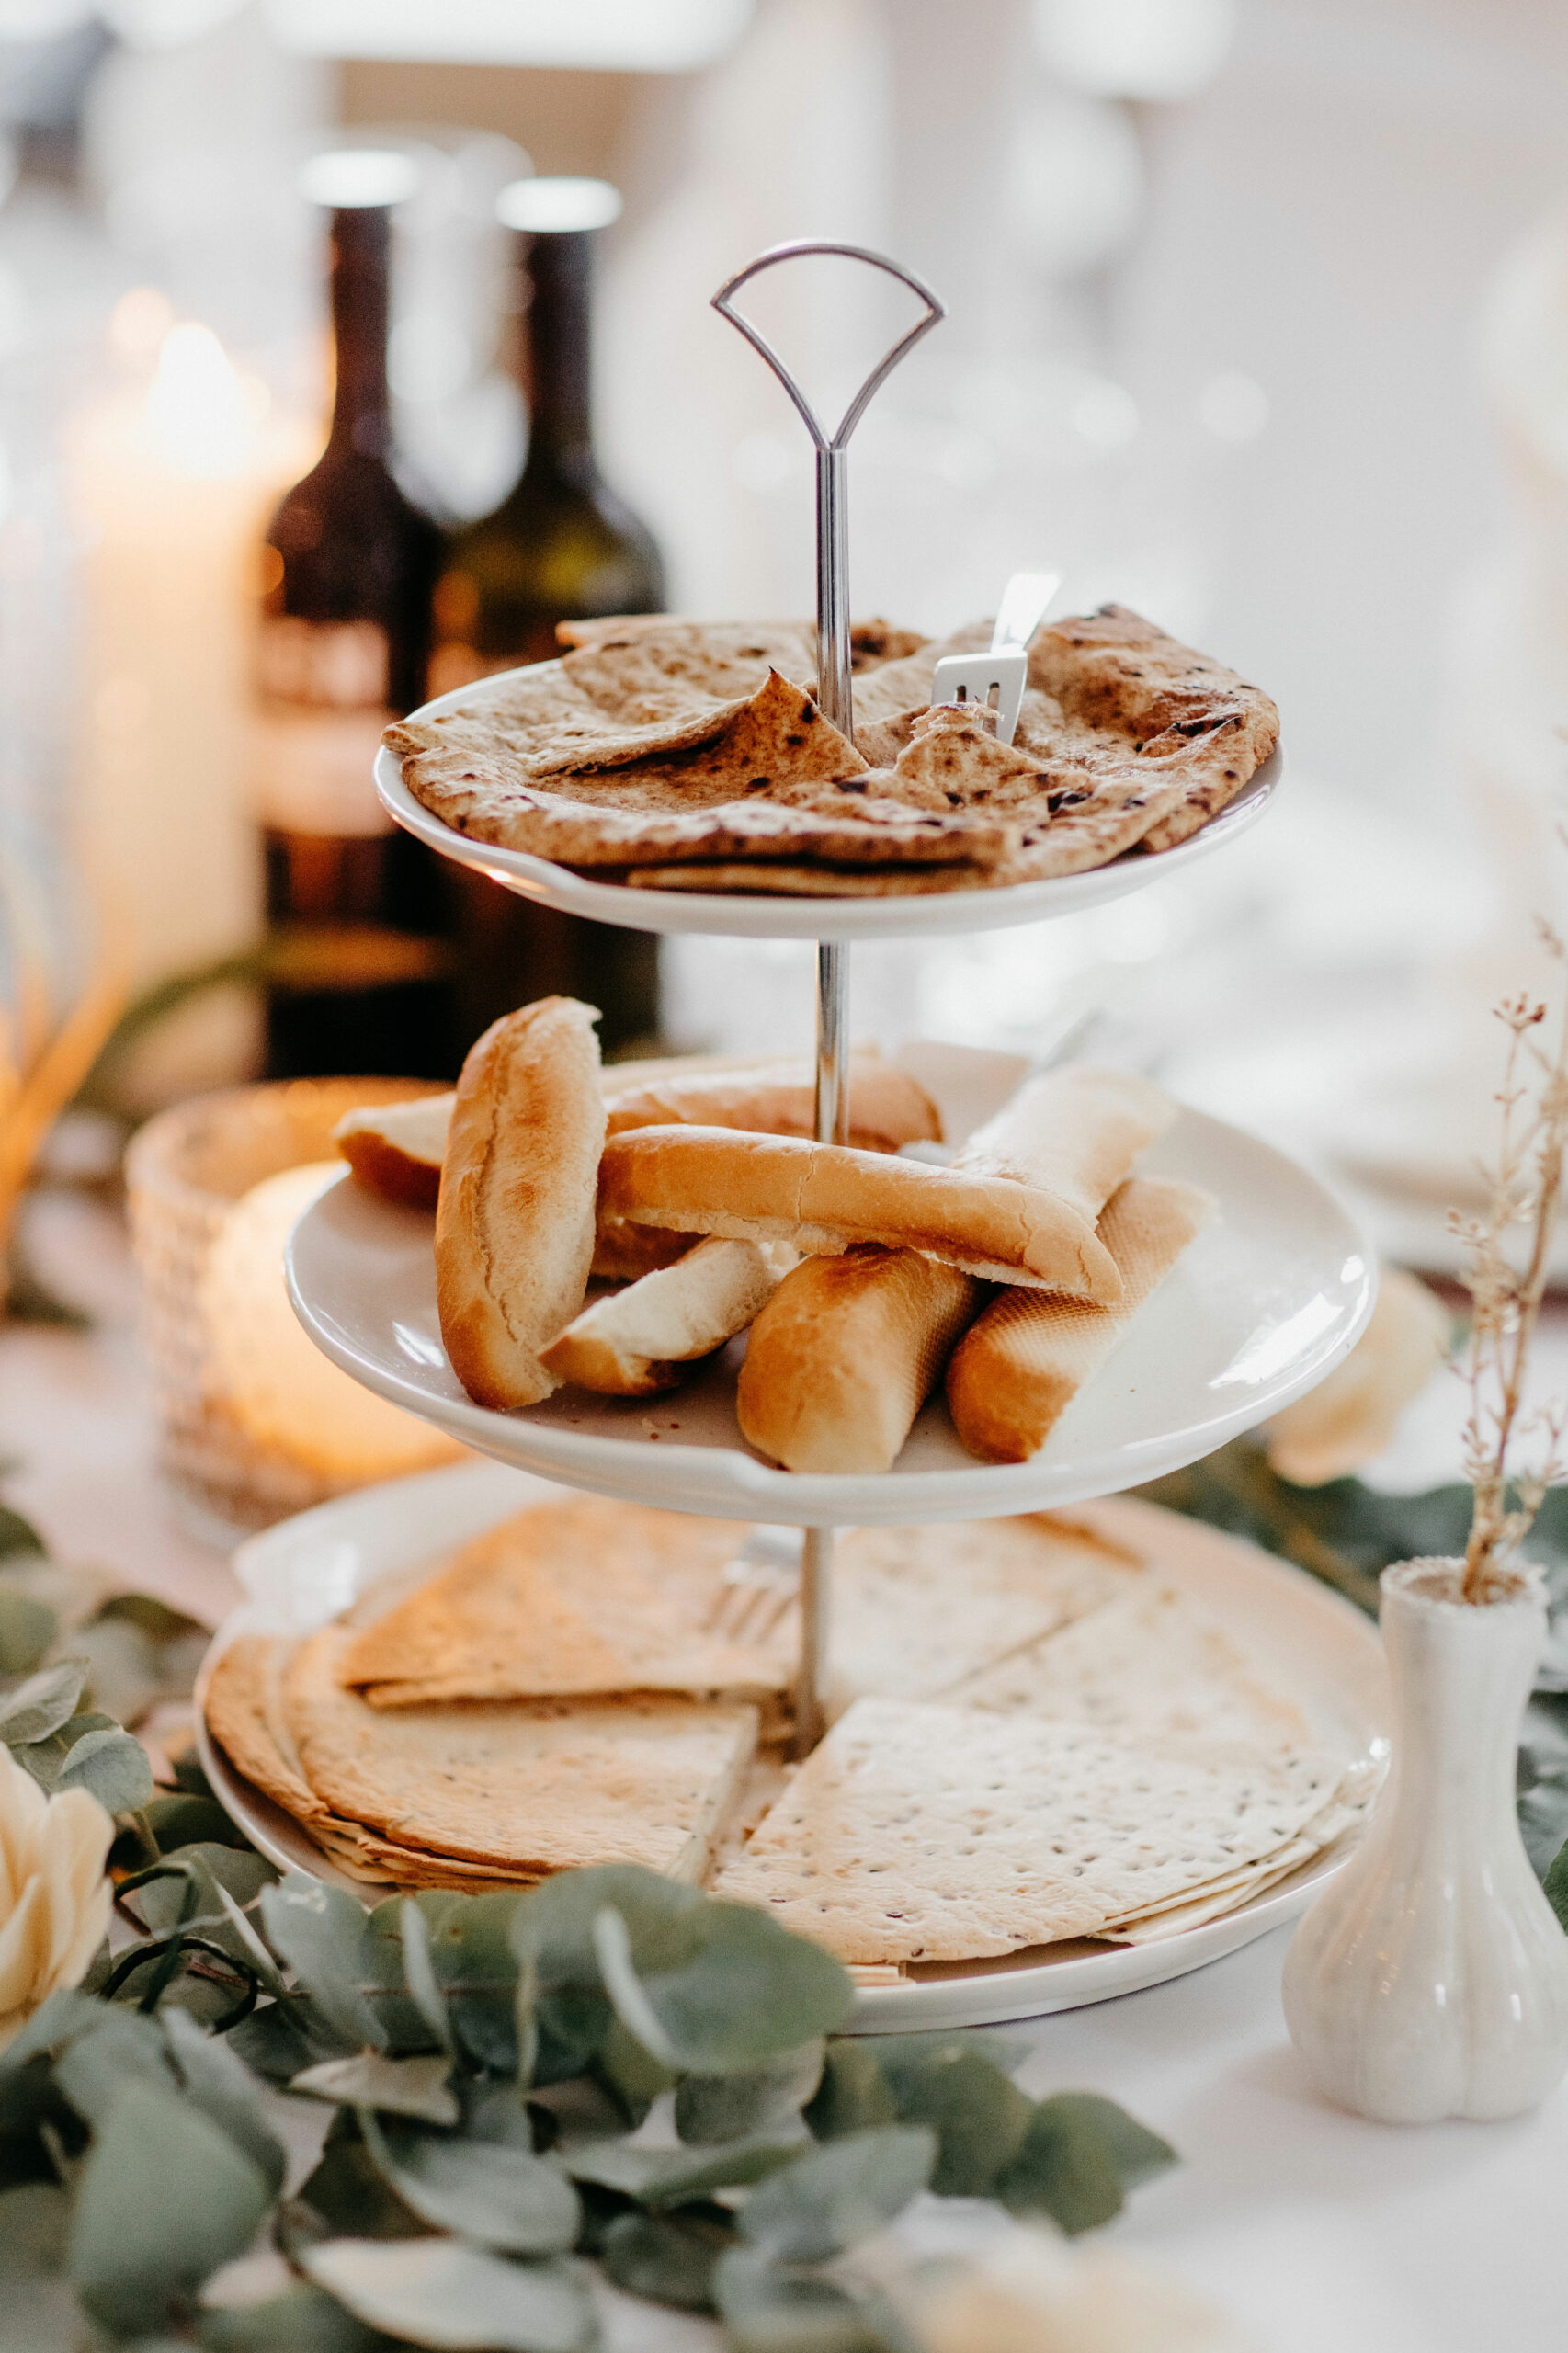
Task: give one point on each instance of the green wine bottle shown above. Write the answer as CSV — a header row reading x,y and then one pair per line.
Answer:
x,y
561,546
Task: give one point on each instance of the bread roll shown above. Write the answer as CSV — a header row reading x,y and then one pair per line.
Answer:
x,y
638,1340
887,1108
515,1221
1075,1132
823,1198
846,1353
1026,1357
624,1254
397,1148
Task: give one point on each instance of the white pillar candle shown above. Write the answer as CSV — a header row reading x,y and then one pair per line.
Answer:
x,y
173,489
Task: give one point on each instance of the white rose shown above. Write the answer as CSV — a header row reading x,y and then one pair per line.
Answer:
x,y
54,1897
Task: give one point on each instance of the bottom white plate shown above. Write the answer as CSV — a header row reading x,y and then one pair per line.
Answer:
x,y
1311,1644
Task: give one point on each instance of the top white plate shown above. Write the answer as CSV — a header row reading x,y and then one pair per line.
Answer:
x,y
735,917
1305,1640
1265,1303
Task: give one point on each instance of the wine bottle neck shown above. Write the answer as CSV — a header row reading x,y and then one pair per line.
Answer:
x,y
362,418
557,346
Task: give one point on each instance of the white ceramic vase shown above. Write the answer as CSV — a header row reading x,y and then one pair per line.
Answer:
x,y
1430,1978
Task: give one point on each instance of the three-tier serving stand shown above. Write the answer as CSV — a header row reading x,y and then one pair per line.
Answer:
x,y
352,1263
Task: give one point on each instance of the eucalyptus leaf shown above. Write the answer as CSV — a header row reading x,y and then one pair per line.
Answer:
x,y
185,1818
1078,2158
419,1969
661,2177
302,2319
979,2115
18,1536
111,1767
165,2198
123,1670
282,2038
477,1970
839,2193
323,1935
766,2311
41,1704
120,2048
219,2084
59,2020
29,2102
500,2195
733,1991
731,2108
370,2079
669,2258
348,2196
438,2292
28,1626
1556,1885
629,2072
853,2093
44,1758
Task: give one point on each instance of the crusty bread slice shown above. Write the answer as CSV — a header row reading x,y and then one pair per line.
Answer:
x,y
638,1340
1075,1132
515,1221
845,1354
397,1148
1021,1362
825,1197
887,1107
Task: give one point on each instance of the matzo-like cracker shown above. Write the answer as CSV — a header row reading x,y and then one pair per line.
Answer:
x,y
241,1710
1149,1664
919,1612
532,1786
570,1599
639,751
923,1832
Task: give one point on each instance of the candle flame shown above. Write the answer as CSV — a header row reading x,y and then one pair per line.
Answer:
x,y
200,413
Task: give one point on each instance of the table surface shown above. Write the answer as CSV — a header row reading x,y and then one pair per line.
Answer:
x,y
1309,2228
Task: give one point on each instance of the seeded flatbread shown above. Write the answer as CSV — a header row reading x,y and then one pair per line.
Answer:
x,y
688,742
920,1612
1149,1662
570,1599
923,1832
244,1717
533,1786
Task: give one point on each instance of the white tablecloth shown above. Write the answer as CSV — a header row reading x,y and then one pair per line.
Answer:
x,y
1316,2233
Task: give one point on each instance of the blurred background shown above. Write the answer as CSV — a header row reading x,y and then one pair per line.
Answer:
x,y
1257,321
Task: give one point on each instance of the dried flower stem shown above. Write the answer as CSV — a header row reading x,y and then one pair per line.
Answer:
x,y
1525,1191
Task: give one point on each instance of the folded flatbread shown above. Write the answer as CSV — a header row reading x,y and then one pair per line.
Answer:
x,y
570,1599
528,1786
655,747
917,1832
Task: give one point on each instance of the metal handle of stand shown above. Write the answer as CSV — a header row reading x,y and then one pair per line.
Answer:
x,y
835,693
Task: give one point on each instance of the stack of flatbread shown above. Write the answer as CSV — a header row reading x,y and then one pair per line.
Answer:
x,y
692,756
1037,1737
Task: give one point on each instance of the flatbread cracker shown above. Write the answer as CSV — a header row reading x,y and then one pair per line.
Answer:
x,y
570,1599
923,1832
652,748
919,1613
1148,1662
532,1786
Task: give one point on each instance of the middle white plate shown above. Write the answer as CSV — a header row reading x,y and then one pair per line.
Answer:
x,y
1262,1306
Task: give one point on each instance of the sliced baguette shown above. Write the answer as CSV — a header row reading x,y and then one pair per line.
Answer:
x,y
515,1219
638,1340
1075,1132
396,1149
1024,1358
845,1354
887,1107
825,1197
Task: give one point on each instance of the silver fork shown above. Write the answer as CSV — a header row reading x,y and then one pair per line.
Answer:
x,y
758,1587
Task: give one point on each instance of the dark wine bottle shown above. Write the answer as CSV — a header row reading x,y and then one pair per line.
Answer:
x,y
561,546
360,979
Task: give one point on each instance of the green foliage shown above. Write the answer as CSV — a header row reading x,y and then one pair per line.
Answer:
x,y
111,1767
1556,1885
482,2059
42,1704
165,2198
441,2292
26,1629
18,1537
